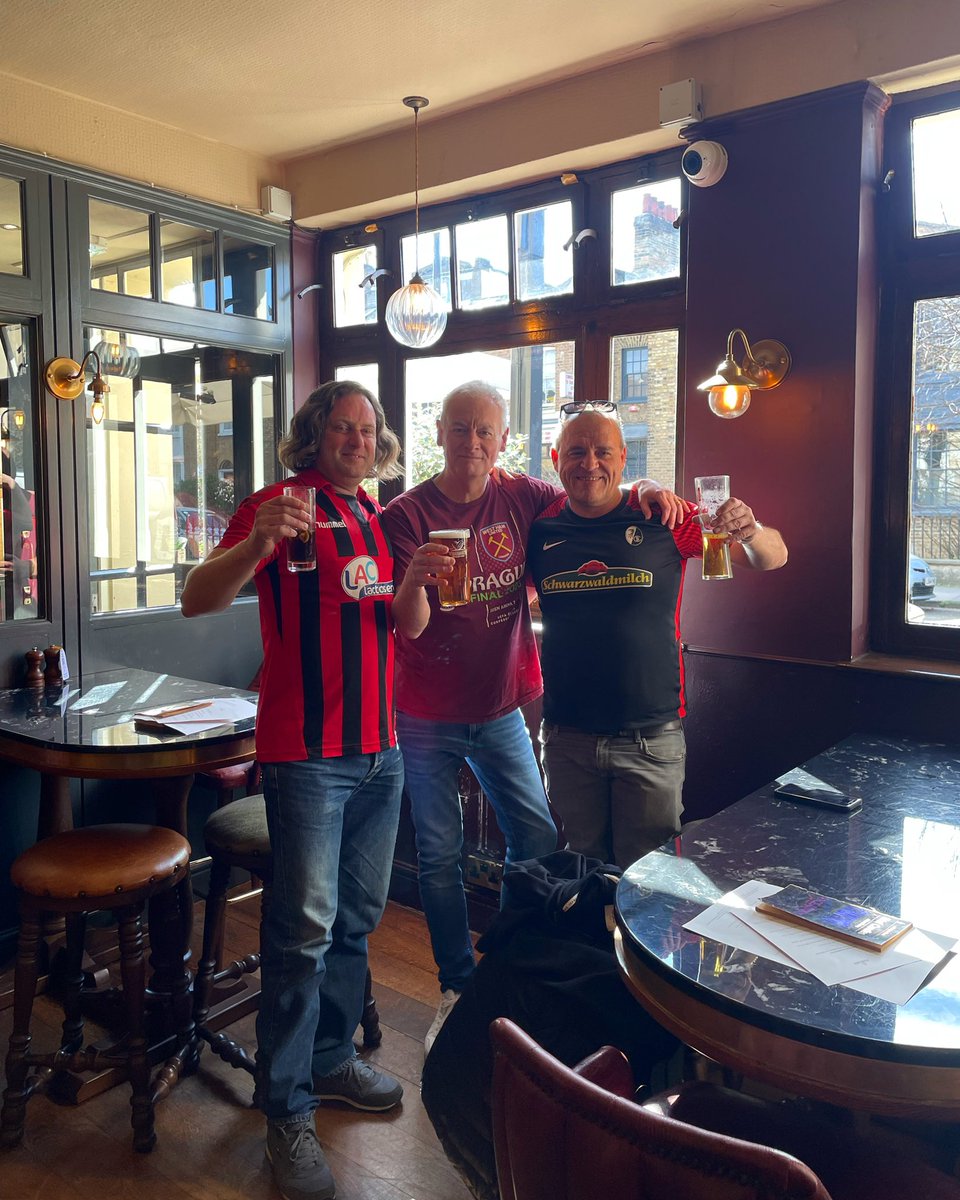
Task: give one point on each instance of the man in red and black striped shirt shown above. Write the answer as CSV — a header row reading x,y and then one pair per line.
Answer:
x,y
332,773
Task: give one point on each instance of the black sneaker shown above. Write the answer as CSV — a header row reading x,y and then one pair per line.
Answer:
x,y
356,1083
300,1169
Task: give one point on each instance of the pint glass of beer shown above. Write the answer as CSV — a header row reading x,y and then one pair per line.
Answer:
x,y
454,589
712,491
302,548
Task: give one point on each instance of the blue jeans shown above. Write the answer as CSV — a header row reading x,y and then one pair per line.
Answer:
x,y
333,826
501,756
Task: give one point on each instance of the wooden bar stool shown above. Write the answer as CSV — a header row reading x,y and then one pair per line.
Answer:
x,y
112,868
236,836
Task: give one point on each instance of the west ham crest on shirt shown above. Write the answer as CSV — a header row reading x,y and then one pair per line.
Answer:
x,y
497,542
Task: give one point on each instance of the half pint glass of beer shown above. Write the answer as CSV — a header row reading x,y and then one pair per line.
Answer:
x,y
454,589
712,491
302,548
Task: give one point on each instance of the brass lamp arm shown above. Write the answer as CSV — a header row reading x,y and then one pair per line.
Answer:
x,y
65,378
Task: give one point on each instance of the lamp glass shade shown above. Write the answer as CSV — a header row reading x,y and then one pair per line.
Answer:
x,y
416,316
728,400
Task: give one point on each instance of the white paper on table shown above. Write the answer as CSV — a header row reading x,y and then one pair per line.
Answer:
x,y
719,922
212,715
733,920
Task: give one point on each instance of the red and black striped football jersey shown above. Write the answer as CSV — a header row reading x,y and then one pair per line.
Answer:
x,y
327,683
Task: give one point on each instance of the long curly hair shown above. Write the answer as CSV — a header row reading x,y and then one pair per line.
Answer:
x,y
299,448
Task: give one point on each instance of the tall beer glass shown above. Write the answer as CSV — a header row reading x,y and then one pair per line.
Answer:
x,y
712,491
302,549
454,589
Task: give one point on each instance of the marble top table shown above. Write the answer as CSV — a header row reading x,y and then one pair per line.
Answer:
x,y
899,853
84,729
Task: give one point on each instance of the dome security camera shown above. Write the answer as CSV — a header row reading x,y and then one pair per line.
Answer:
x,y
704,163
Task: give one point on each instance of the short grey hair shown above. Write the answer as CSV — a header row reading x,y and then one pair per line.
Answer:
x,y
566,421
482,390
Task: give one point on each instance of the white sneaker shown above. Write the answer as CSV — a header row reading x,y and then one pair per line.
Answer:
x,y
448,998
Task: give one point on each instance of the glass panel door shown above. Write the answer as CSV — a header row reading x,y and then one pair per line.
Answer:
x,y
21,562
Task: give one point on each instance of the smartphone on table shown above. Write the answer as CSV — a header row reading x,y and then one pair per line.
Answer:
x,y
801,785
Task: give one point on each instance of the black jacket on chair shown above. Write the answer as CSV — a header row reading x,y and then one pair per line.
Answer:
x,y
548,964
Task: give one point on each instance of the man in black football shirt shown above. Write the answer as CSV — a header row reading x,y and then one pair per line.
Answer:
x,y
610,583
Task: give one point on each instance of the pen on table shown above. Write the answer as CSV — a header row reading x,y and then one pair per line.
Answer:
x,y
172,712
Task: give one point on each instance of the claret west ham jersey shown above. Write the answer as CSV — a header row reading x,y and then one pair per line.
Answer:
x,y
610,590
327,683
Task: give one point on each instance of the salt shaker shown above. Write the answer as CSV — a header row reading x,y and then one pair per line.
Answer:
x,y
52,675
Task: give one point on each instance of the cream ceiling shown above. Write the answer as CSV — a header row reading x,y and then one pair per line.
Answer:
x,y
286,78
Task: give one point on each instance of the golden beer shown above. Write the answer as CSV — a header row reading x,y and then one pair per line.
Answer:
x,y
716,556
453,590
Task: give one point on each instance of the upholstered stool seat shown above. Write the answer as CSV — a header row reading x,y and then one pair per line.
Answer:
x,y
101,862
114,868
236,836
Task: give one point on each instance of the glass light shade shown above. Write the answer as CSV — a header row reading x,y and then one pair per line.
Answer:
x,y
416,315
117,358
729,400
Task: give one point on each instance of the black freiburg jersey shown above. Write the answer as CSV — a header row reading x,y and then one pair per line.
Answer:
x,y
610,590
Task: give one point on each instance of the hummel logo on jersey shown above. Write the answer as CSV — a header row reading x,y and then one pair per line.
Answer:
x,y
550,545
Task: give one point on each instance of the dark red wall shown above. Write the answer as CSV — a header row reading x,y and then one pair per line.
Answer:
x,y
783,247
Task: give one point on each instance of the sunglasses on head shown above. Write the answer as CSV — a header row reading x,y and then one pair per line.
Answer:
x,y
574,407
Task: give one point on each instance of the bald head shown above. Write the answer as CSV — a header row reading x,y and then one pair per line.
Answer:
x,y
589,458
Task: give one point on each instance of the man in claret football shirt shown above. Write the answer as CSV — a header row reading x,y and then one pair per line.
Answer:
x,y
610,581
332,773
463,675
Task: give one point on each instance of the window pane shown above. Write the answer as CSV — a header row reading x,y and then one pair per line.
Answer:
x,y
933,566
354,303
544,266
164,464
483,263
936,180
21,560
643,381
188,265
432,256
248,278
644,244
368,376
535,380
11,228
120,248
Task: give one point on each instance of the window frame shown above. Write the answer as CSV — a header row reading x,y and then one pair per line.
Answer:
x,y
590,315
911,269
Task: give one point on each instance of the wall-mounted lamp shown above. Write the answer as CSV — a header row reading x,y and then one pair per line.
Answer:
x,y
766,365
17,415
65,380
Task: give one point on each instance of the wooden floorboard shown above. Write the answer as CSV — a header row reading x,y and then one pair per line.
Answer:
x,y
210,1138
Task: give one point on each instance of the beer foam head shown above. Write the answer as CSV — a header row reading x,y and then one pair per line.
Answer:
x,y
450,533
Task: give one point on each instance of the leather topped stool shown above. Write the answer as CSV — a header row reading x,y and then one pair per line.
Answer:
x,y
112,868
236,836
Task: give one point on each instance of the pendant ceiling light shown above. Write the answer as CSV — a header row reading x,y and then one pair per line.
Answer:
x,y
416,315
